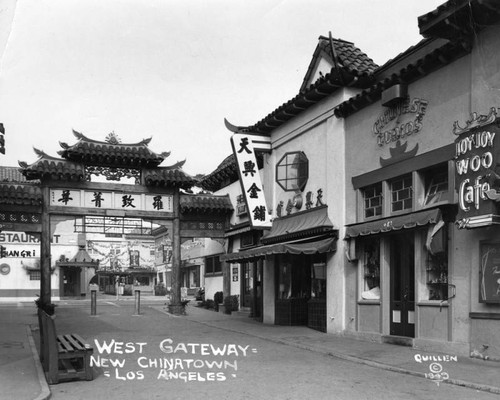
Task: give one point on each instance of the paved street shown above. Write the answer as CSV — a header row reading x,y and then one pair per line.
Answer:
x,y
158,356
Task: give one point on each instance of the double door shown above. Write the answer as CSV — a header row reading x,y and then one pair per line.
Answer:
x,y
402,286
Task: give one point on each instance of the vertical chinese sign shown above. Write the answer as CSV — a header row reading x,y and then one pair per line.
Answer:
x,y
244,147
2,139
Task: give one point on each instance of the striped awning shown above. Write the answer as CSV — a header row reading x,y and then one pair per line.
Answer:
x,y
396,223
323,245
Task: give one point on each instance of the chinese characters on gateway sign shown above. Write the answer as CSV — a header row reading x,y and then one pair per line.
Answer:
x,y
244,147
111,200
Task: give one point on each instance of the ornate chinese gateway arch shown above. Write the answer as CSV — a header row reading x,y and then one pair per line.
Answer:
x,y
64,189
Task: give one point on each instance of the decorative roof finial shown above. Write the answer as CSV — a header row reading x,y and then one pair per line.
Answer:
x,y
113,138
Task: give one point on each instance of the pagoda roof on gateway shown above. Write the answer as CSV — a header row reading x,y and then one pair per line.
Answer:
x,y
111,152
80,160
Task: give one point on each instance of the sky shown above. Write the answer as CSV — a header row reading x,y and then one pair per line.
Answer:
x,y
171,70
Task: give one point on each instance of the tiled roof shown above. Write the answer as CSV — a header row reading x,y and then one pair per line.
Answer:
x,y
168,177
351,61
20,194
48,167
227,171
449,31
225,174
205,203
354,69
11,174
111,153
459,19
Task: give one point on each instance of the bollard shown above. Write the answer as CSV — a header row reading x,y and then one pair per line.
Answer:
x,y
137,302
93,302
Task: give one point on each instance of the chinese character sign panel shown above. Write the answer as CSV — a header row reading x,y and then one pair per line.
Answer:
x,y
111,200
251,184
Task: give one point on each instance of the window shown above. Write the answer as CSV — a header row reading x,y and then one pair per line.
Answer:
x,y
436,267
292,171
371,259
318,280
372,196
213,265
402,193
436,184
35,275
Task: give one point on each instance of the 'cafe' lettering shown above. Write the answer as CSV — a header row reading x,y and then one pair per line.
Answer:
x,y
474,154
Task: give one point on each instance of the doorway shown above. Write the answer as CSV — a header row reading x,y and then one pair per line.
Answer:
x,y
402,285
70,281
246,284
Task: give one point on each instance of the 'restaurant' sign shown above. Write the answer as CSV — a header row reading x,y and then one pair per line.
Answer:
x,y
111,200
477,152
244,147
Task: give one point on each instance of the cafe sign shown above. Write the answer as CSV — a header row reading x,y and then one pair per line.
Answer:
x,y
477,152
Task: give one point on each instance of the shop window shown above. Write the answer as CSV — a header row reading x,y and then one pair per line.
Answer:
x,y
141,281
213,265
294,278
437,266
292,171
402,193
372,196
318,280
436,184
35,275
371,259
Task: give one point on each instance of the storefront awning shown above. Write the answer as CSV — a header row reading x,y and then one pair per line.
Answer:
x,y
385,225
324,245
299,225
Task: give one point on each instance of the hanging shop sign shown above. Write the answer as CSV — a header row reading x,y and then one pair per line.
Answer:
x,y
477,180
400,121
244,148
111,200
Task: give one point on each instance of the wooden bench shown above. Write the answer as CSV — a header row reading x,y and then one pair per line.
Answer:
x,y
64,357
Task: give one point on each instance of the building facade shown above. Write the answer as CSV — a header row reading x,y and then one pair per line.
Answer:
x,y
399,161
421,157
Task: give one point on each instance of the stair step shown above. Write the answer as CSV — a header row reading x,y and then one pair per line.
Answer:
x,y
398,340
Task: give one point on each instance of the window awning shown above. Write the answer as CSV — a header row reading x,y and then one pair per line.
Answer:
x,y
324,245
385,225
299,225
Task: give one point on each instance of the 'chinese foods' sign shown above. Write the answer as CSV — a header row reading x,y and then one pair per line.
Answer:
x,y
476,154
244,147
111,200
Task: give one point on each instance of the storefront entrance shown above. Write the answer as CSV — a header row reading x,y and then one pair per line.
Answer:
x,y
70,281
246,284
402,266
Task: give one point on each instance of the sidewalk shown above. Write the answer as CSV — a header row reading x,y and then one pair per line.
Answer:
x,y
21,376
473,373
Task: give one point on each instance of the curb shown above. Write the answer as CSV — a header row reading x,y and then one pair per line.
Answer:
x,y
45,391
358,360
